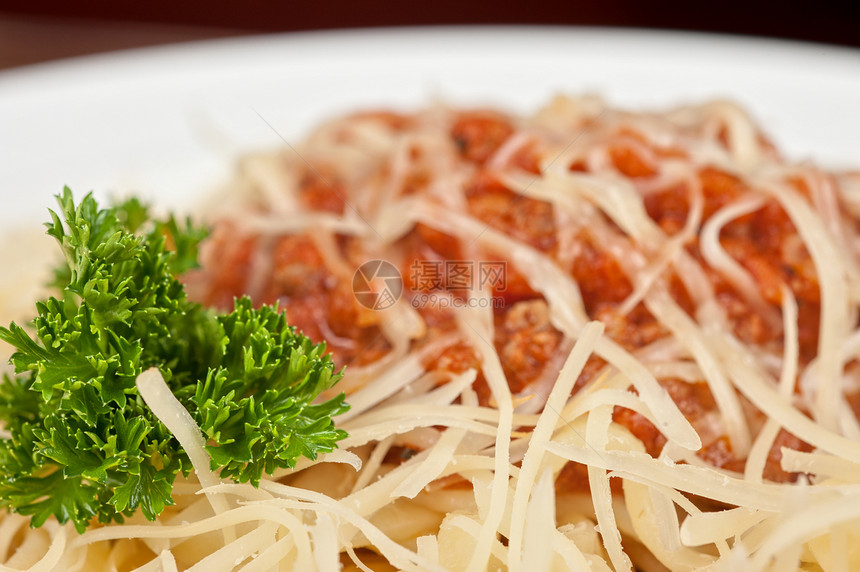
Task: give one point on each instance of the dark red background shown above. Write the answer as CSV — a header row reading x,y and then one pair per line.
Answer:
x,y
31,32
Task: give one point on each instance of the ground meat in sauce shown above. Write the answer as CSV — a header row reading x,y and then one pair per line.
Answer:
x,y
479,134
764,242
523,218
525,341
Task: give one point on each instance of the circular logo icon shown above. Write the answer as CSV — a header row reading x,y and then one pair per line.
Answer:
x,y
377,284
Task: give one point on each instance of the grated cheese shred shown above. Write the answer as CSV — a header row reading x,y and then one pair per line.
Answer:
x,y
451,467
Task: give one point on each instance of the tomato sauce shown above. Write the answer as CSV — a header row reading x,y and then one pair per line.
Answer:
x,y
321,304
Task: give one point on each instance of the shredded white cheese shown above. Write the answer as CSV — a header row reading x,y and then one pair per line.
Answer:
x,y
440,472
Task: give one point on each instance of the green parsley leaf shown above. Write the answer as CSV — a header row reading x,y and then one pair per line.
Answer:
x,y
81,442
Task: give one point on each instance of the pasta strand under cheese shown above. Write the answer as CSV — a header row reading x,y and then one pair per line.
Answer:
x,y
667,372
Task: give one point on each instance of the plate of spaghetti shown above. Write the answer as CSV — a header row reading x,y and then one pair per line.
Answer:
x,y
502,299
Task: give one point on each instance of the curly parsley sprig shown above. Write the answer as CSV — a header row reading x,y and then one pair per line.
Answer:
x,y
80,442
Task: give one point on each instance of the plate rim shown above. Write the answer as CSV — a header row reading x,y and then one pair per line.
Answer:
x,y
657,37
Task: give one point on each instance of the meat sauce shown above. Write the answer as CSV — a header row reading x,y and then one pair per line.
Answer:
x,y
322,305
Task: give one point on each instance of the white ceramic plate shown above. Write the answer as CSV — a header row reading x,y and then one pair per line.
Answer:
x,y
168,122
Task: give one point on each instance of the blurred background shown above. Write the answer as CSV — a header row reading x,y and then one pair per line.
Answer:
x,y
32,32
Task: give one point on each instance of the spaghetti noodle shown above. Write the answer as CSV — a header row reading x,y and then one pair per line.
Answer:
x,y
623,340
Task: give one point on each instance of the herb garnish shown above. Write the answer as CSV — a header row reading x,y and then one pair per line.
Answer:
x,y
79,440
